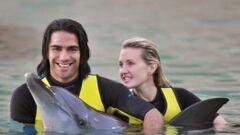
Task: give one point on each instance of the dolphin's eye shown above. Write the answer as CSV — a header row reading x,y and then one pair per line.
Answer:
x,y
81,122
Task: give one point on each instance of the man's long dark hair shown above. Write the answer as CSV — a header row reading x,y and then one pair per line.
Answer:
x,y
70,26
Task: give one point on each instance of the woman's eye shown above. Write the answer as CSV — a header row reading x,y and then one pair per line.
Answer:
x,y
130,63
120,64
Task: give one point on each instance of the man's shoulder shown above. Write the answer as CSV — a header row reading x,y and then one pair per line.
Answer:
x,y
105,80
107,83
21,90
22,87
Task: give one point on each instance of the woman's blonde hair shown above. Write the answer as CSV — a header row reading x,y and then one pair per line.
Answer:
x,y
150,55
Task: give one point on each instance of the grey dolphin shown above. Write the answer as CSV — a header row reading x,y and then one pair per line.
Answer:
x,y
63,112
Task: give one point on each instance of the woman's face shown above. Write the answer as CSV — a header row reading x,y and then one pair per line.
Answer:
x,y
133,71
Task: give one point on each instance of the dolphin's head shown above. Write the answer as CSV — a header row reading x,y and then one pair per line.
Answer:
x,y
40,92
55,105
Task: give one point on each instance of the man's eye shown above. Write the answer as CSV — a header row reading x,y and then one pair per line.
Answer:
x,y
56,48
73,49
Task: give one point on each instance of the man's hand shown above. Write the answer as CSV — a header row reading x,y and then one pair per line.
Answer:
x,y
153,121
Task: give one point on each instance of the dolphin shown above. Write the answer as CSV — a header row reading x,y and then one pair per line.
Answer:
x,y
63,112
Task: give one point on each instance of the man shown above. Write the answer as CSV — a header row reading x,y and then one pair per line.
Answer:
x,y
64,63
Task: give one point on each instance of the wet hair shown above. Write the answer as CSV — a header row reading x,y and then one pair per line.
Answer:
x,y
70,26
150,55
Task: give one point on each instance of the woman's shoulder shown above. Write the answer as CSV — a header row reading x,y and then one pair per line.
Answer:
x,y
185,94
181,90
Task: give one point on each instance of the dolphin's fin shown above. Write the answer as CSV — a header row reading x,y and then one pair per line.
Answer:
x,y
199,115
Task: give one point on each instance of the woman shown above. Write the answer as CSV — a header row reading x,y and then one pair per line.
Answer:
x,y
141,71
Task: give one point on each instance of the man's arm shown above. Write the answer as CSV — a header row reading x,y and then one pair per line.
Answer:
x,y
219,120
22,106
118,96
153,120
29,129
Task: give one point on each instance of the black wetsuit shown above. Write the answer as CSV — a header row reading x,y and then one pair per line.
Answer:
x,y
185,98
23,107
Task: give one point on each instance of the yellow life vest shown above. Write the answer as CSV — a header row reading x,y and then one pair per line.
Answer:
x,y
172,106
131,119
89,93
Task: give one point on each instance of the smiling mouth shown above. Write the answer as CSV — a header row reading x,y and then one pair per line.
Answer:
x,y
64,65
126,79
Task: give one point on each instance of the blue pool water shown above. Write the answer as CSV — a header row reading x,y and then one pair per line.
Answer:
x,y
198,43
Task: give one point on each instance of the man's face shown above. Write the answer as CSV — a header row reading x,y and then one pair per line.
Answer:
x,y
64,56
